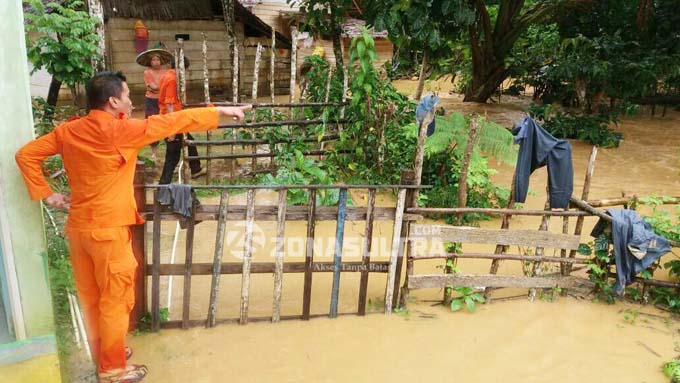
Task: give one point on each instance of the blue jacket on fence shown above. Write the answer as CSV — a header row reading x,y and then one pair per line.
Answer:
x,y
636,246
537,148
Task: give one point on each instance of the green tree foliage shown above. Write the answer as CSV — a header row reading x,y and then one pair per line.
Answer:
x,y
61,38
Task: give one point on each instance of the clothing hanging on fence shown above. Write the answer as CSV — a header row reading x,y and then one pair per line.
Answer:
x,y
538,148
632,237
180,198
426,104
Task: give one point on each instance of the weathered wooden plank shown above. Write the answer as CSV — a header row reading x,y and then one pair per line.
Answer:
x,y
188,259
337,259
513,257
272,66
477,210
465,234
228,268
309,255
247,255
216,268
505,224
426,281
366,253
278,270
155,265
394,251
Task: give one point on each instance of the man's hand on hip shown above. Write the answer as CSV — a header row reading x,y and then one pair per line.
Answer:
x,y
59,201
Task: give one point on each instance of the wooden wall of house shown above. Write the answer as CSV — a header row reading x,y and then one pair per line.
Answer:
x,y
269,12
121,54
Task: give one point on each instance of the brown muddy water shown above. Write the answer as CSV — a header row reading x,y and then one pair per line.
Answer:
x,y
509,340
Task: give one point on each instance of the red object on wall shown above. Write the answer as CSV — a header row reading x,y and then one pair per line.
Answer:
x,y
141,37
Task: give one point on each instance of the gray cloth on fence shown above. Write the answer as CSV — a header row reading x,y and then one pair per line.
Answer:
x,y
630,235
179,197
538,148
426,104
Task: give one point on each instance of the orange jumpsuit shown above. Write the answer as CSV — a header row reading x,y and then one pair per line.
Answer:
x,y
99,152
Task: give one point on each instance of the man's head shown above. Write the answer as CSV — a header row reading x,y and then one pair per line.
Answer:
x,y
108,91
186,63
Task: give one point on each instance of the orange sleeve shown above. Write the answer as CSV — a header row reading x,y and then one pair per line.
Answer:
x,y
30,158
139,133
169,93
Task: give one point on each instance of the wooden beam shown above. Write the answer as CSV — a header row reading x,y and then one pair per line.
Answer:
x,y
309,255
188,259
228,268
513,257
278,269
155,265
463,280
465,234
247,255
394,251
337,258
366,253
217,259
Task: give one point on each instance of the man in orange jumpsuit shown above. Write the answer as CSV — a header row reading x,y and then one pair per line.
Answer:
x,y
99,152
168,102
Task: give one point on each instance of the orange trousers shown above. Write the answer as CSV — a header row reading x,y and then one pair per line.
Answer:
x,y
104,270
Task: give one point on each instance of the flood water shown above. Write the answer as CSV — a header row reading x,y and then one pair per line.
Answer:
x,y
509,340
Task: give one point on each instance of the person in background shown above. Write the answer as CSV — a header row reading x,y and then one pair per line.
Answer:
x,y
152,81
168,102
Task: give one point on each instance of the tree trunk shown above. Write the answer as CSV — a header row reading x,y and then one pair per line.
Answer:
x,y
485,83
337,49
52,97
421,78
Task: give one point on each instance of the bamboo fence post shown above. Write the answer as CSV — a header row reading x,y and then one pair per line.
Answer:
x,y
345,85
407,178
366,251
217,260
247,256
563,252
183,99
394,251
501,249
96,11
188,259
155,264
256,75
584,196
462,185
234,87
309,255
206,98
326,98
536,269
280,241
139,249
293,65
272,69
337,259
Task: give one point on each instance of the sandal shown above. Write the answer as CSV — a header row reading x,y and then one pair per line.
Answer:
x,y
128,353
133,373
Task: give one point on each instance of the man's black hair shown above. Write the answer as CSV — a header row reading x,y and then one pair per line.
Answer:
x,y
102,86
186,63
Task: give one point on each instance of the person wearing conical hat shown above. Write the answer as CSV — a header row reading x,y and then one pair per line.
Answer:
x,y
155,59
